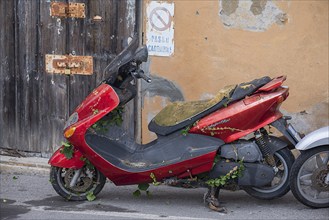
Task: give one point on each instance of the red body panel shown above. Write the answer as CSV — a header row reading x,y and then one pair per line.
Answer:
x,y
59,160
228,124
243,117
275,83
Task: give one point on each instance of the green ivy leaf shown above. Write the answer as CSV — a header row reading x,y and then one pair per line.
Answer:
x,y
91,196
66,144
67,150
143,186
137,193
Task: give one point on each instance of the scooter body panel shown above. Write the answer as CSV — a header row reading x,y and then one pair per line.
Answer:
x,y
316,138
58,159
243,117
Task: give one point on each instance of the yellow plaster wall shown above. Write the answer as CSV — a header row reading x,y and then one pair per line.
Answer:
x,y
209,56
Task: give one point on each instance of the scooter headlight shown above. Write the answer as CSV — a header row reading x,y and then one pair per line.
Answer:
x,y
72,119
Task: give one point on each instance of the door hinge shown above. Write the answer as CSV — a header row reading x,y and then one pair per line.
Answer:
x,y
67,10
69,64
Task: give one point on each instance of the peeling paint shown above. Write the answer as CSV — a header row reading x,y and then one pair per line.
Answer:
x,y
258,6
134,164
130,18
229,6
58,26
251,15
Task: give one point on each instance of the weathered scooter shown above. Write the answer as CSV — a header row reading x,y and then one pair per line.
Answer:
x,y
216,143
309,178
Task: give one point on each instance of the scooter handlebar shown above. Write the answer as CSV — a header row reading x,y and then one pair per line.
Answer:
x,y
141,75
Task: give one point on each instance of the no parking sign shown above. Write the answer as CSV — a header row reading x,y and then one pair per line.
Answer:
x,y
160,28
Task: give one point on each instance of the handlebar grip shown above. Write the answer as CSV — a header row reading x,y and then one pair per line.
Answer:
x,y
142,75
146,78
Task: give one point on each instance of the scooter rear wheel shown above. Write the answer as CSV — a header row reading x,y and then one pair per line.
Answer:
x,y
308,179
280,183
89,181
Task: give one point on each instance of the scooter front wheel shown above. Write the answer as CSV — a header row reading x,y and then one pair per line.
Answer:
x,y
310,176
76,185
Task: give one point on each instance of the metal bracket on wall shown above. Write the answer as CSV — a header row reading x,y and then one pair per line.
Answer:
x,y
67,10
69,64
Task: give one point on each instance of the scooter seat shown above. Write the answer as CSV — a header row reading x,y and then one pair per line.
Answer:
x,y
178,115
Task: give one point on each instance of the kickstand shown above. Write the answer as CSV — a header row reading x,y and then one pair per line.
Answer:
x,y
211,200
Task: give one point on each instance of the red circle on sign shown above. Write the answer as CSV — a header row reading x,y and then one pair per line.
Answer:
x,y
155,15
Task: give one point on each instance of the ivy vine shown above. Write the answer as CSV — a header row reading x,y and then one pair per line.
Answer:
x,y
145,186
236,172
88,164
187,129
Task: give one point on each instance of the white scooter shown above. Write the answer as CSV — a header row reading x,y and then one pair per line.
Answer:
x,y
309,177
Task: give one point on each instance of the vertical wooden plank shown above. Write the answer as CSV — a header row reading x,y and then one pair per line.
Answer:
x,y
79,85
53,96
125,26
7,74
26,78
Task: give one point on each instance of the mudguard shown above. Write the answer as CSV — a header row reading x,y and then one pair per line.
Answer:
x,y
59,160
316,138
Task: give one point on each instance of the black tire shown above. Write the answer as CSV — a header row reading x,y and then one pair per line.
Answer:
x,y
90,181
284,160
307,177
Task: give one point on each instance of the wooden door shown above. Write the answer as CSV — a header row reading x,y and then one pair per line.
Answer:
x,y
34,105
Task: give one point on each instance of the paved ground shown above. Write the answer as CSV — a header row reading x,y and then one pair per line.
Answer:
x,y
29,195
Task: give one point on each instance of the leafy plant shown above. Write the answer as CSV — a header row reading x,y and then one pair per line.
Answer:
x,y
95,111
155,182
67,150
142,187
137,193
232,174
89,165
186,130
91,196
145,186
116,116
113,118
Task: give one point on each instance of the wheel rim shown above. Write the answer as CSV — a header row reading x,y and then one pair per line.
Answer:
x,y
311,178
280,178
87,181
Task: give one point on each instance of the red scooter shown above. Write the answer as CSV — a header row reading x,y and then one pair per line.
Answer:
x,y
198,142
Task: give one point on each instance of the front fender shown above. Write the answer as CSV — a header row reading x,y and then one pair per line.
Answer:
x,y
316,138
59,160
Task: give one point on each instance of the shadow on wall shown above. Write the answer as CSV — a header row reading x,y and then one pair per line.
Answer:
x,y
162,87
311,119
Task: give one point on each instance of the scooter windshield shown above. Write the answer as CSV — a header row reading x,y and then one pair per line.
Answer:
x,y
125,56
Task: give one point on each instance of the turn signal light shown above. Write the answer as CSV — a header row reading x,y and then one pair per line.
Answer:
x,y
69,132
